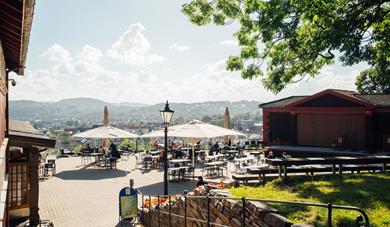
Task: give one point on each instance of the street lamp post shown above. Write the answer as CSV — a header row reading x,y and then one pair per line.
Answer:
x,y
166,116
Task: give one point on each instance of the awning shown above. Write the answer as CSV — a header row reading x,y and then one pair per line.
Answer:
x,y
15,26
23,134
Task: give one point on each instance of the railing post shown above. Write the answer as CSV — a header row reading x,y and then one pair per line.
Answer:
x,y
243,212
143,205
158,210
208,211
329,214
150,211
185,208
169,210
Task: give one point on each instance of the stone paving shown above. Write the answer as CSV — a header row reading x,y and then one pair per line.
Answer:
x,y
84,195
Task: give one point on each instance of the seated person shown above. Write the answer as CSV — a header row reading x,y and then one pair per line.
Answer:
x,y
200,181
215,147
148,159
270,154
147,155
179,153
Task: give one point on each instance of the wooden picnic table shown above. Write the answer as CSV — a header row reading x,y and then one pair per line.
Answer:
x,y
283,163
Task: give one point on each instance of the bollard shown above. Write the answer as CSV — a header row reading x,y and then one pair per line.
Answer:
x,y
329,214
243,212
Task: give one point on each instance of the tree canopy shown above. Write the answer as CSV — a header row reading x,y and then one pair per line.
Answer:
x,y
284,41
374,80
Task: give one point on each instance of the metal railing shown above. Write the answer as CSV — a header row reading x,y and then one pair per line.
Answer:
x,y
330,207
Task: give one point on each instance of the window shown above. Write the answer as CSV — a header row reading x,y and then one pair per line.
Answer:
x,y
18,184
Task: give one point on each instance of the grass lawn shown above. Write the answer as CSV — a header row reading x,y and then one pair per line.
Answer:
x,y
370,192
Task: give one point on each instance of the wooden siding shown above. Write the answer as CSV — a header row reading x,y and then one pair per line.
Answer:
x,y
324,130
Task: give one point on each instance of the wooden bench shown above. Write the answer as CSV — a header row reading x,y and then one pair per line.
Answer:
x,y
245,178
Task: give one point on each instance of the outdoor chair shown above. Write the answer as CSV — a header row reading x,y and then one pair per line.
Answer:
x,y
148,161
139,161
50,166
225,166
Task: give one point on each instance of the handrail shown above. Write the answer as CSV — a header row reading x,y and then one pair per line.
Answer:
x,y
244,201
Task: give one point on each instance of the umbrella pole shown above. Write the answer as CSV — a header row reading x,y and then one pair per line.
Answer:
x,y
193,156
136,145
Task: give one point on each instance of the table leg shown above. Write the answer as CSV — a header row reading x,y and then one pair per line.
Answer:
x,y
280,171
285,172
334,168
340,168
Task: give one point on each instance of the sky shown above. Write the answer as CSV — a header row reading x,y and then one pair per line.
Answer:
x,y
144,52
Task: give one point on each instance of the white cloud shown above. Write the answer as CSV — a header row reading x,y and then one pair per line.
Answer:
x,y
90,77
177,47
133,47
60,57
229,42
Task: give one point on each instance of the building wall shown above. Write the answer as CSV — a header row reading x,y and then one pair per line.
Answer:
x,y
278,127
3,141
3,93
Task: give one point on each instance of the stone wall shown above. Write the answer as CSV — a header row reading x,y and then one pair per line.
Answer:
x,y
226,212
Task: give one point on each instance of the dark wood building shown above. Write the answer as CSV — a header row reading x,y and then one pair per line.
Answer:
x,y
18,174
331,118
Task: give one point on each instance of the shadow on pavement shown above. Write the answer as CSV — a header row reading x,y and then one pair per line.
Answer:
x,y
173,187
91,174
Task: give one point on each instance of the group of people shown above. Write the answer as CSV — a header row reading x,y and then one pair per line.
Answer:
x,y
113,151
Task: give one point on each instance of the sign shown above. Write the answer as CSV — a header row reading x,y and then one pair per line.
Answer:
x,y
128,203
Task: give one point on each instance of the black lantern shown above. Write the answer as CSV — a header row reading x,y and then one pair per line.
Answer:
x,y
166,114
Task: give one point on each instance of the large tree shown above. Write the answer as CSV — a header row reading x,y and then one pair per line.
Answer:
x,y
374,80
299,36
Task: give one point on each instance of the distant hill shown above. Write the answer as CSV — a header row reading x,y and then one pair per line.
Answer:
x,y
91,110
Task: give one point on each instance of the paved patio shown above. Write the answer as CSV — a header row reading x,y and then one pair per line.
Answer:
x,y
84,195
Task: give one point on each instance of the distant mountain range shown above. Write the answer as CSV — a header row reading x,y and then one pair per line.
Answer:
x,y
91,110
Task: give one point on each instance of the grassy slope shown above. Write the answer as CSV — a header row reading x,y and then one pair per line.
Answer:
x,y
370,192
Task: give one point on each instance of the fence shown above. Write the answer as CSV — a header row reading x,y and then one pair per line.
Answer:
x,y
330,207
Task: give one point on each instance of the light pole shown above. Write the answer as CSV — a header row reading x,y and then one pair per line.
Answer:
x,y
166,116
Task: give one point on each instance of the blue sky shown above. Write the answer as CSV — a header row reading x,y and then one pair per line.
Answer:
x,y
141,51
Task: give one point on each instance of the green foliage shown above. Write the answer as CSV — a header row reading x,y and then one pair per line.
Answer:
x,y
374,81
78,148
126,144
365,191
299,37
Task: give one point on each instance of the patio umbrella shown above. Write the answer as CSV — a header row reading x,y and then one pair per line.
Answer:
x,y
106,131
199,129
195,129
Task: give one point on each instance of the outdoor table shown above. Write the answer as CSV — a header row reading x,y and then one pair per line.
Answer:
x,y
238,163
214,157
255,153
96,157
180,162
157,152
283,163
213,167
178,172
